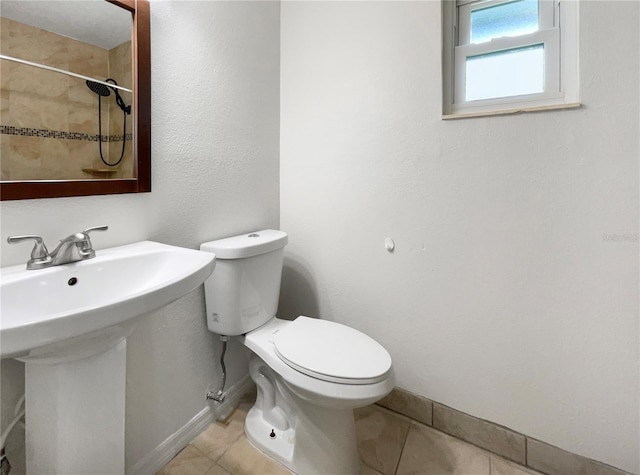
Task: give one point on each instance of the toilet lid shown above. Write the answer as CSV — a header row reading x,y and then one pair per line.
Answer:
x,y
332,352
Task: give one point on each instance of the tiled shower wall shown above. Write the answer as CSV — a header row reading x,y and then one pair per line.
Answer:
x,y
120,70
49,121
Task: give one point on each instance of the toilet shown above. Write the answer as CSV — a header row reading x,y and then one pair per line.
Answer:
x,y
310,373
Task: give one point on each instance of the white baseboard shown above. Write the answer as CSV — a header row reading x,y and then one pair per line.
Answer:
x,y
163,453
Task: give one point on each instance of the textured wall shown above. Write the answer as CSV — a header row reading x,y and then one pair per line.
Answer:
x,y
215,122
513,290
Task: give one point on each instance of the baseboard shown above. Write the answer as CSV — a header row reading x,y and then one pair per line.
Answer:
x,y
163,453
519,448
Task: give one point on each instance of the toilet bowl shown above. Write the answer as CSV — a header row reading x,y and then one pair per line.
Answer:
x,y
310,373
306,421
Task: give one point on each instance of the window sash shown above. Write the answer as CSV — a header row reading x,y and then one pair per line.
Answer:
x,y
547,17
549,38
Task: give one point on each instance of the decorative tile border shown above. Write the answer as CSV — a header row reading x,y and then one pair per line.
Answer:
x,y
519,448
59,134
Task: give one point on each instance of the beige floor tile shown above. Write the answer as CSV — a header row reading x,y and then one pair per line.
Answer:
x,y
366,470
188,462
500,466
430,452
381,436
219,436
243,459
217,470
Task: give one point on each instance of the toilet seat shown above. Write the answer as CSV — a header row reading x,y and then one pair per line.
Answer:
x,y
331,352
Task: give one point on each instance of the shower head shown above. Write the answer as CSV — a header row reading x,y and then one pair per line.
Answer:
x,y
98,88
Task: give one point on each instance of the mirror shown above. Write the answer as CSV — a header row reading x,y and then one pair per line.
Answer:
x,y
75,119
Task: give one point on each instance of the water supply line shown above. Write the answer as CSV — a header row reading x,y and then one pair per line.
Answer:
x,y
5,466
218,396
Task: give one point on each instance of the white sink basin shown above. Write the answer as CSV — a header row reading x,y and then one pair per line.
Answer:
x,y
70,311
69,324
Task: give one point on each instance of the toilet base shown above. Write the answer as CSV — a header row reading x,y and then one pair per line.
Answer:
x,y
277,444
306,438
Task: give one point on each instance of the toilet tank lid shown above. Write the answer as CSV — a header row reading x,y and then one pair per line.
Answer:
x,y
246,245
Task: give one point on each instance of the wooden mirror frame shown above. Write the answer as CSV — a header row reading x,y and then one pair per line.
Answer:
x,y
141,40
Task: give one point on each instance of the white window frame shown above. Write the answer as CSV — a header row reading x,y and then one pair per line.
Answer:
x,y
558,32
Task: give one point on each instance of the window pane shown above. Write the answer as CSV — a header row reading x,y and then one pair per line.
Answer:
x,y
507,19
505,73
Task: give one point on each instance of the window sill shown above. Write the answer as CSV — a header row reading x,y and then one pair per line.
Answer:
x,y
518,110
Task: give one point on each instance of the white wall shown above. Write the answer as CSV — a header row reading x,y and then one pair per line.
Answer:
x,y
215,123
508,295
503,297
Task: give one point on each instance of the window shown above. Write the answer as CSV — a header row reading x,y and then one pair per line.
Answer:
x,y
503,56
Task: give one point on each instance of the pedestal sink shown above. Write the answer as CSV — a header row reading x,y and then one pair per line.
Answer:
x,y
69,325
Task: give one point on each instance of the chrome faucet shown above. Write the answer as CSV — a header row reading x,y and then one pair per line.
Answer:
x,y
73,248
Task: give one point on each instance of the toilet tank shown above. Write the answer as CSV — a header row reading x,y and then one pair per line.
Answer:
x,y
242,292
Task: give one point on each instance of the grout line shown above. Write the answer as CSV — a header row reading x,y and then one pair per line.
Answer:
x,y
404,443
432,412
230,445
401,415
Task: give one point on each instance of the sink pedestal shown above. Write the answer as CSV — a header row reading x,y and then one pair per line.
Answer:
x,y
75,414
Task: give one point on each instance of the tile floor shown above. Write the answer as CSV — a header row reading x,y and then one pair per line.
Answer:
x,y
389,444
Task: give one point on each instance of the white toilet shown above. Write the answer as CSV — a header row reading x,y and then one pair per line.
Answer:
x,y
310,373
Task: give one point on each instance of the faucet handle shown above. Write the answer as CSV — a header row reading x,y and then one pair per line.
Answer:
x,y
39,253
103,227
87,251
39,249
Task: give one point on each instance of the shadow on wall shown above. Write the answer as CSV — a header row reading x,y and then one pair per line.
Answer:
x,y
297,292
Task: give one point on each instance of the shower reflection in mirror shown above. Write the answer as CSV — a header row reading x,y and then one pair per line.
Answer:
x,y
61,119
103,90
